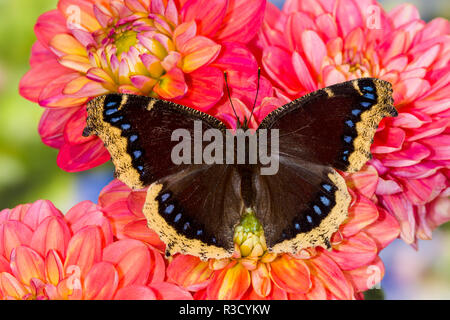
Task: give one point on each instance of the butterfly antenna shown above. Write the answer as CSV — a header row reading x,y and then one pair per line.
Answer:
x,y
225,75
256,98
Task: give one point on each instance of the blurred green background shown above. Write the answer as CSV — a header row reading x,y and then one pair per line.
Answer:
x,y
28,169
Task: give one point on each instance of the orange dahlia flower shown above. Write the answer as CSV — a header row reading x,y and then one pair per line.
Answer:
x,y
313,44
46,255
349,268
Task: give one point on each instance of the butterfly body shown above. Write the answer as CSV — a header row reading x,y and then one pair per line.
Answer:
x,y
195,206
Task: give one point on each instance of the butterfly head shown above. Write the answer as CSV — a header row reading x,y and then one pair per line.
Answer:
x,y
246,121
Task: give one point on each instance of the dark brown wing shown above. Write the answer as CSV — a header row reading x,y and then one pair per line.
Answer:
x,y
193,208
137,132
306,201
333,126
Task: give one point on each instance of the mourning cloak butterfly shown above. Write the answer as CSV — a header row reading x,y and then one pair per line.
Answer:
x,y
195,207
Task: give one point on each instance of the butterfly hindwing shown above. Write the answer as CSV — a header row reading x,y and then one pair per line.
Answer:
x,y
195,211
301,206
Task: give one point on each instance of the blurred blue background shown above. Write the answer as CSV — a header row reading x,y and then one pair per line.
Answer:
x,y
28,168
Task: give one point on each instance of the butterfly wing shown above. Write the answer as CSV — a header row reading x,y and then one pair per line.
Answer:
x,y
329,128
202,210
334,126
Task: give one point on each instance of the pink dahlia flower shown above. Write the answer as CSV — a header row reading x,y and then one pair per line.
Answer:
x,y
312,44
47,255
351,267
175,50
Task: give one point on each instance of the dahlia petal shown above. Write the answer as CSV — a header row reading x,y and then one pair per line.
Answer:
x,y
172,85
439,210
412,153
52,94
399,206
189,272
52,234
101,282
317,291
348,16
183,33
27,264
314,49
10,287
242,21
296,24
278,64
229,283
394,45
311,6
136,201
208,14
424,169
403,14
116,191
261,282
205,88
411,89
384,230
87,213
69,288
407,120
332,76
432,129
360,215
439,146
84,250
76,63
366,277
331,276
139,230
169,291
64,44
54,270
239,63
48,25
80,13
102,17
131,258
422,191
135,292
157,267
51,125
171,60
74,158
304,76
13,234
388,187
388,140
291,275
4,265
35,80
199,51
354,252
426,58
38,211
327,25
171,12
364,181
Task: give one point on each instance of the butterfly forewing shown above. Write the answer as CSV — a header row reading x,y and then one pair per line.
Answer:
x,y
306,201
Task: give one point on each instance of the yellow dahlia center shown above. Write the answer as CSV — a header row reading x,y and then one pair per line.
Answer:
x,y
125,40
249,236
